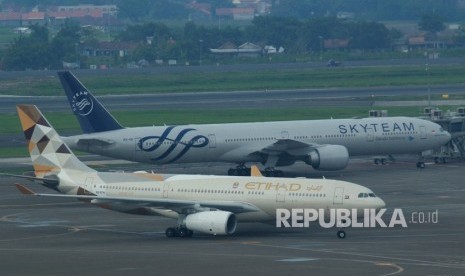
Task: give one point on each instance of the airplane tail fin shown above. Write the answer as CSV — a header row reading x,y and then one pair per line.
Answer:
x,y
91,114
254,171
48,152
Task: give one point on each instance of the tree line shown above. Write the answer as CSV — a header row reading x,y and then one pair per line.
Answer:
x,y
40,49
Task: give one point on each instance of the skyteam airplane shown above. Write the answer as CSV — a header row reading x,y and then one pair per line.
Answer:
x,y
323,144
206,204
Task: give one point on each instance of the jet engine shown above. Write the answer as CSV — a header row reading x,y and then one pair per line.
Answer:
x,y
212,222
329,158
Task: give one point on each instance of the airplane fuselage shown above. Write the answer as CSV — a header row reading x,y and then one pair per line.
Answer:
x,y
264,194
246,142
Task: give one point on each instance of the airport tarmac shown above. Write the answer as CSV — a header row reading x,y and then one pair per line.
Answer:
x,y
44,236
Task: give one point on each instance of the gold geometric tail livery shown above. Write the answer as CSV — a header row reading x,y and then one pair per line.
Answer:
x,y
48,152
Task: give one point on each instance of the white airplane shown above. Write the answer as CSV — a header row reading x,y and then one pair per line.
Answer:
x,y
207,204
323,144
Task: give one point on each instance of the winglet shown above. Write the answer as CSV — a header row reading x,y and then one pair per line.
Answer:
x,y
254,171
24,190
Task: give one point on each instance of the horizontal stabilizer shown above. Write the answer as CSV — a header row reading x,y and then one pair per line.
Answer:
x,y
24,190
95,142
47,179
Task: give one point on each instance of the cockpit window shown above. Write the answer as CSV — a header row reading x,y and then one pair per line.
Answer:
x,y
372,195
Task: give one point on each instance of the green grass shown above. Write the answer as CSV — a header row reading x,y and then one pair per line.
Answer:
x,y
13,152
259,80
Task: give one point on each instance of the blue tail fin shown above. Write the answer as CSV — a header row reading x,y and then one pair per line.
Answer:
x,y
91,114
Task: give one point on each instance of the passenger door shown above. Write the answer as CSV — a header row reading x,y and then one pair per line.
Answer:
x,y
338,195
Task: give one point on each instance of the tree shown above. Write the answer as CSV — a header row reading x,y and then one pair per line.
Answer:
x,y
272,30
29,52
431,22
369,36
134,9
460,35
65,43
139,33
316,30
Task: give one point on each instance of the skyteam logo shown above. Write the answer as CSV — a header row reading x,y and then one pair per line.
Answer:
x,y
82,103
171,149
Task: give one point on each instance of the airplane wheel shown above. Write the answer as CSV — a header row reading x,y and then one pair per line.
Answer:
x,y
341,234
242,172
170,232
383,161
443,160
189,233
436,160
183,232
421,165
230,171
279,173
376,161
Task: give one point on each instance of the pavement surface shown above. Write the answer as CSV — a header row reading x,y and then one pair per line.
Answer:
x,y
46,236
291,98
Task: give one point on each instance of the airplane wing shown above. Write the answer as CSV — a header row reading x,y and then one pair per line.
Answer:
x,y
281,146
288,145
176,205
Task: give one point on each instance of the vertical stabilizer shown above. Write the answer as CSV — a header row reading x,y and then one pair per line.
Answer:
x,y
91,114
48,152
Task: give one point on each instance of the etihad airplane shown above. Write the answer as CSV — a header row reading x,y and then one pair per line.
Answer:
x,y
206,204
323,144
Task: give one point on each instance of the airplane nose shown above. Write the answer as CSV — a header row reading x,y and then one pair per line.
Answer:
x,y
448,136
380,203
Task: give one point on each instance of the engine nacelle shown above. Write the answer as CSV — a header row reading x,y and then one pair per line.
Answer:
x,y
329,158
212,222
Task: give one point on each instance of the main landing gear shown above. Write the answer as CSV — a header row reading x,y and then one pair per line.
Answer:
x,y
383,160
271,172
181,232
242,170
438,160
